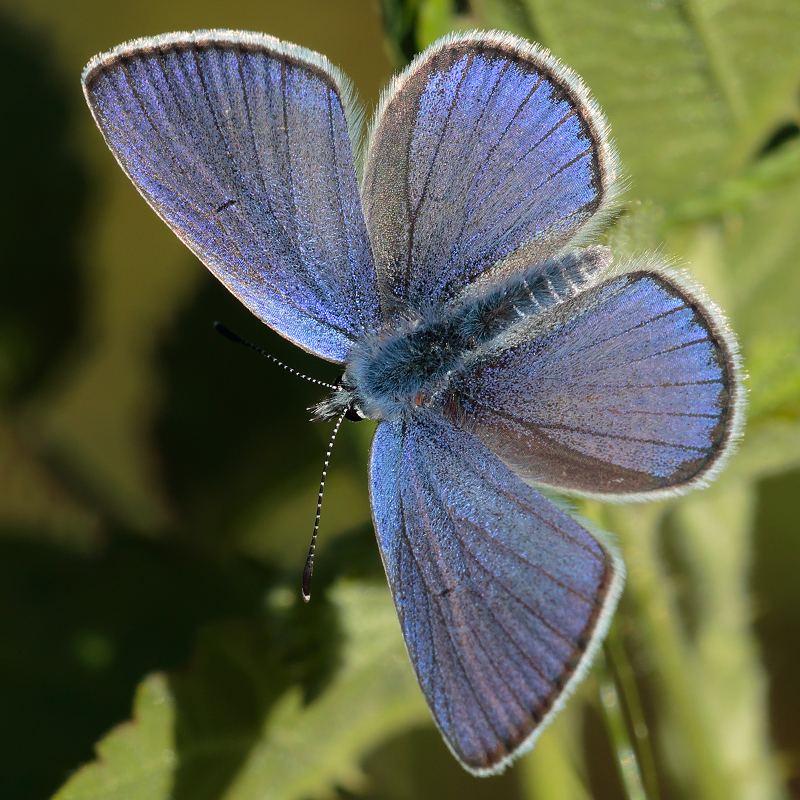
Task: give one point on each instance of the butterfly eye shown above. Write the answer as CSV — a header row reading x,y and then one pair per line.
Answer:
x,y
354,414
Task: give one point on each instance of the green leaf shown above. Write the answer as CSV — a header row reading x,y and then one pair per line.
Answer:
x,y
136,760
738,194
552,770
762,254
298,751
306,751
765,451
750,262
774,365
692,89
714,531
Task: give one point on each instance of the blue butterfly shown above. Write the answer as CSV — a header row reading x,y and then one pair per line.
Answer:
x,y
493,350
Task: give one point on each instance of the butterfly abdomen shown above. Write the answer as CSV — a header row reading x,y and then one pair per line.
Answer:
x,y
528,292
401,368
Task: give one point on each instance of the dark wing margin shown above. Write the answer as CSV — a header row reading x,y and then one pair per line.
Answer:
x,y
630,390
485,149
241,144
503,599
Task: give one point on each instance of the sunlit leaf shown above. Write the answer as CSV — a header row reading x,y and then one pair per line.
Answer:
x,y
302,750
306,751
691,90
774,365
739,193
715,536
136,760
762,254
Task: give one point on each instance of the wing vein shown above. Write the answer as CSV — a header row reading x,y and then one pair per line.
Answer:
x,y
587,431
213,221
536,514
256,152
413,215
493,189
529,608
482,167
456,650
288,161
638,325
342,219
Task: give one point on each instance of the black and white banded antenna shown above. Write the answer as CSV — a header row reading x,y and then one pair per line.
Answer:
x,y
309,567
229,334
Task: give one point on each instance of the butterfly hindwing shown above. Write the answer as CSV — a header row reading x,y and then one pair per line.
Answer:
x,y
240,143
502,597
628,389
485,148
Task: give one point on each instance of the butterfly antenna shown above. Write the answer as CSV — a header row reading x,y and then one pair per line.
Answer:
x,y
309,567
229,334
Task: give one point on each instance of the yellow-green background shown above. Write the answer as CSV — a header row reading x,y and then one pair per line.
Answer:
x,y
157,484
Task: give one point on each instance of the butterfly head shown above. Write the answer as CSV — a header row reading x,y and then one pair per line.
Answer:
x,y
344,400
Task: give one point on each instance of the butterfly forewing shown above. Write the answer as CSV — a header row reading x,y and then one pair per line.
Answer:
x,y
502,598
240,143
483,148
627,389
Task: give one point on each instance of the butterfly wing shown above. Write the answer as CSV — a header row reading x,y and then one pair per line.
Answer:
x,y
627,390
502,598
484,149
240,144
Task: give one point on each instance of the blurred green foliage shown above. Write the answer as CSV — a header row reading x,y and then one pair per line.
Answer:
x,y
157,485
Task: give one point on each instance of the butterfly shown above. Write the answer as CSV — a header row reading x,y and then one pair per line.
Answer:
x,y
453,279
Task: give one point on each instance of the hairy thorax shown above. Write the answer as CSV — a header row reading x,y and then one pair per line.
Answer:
x,y
410,364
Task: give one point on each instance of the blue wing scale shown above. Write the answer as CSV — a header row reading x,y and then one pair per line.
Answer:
x,y
241,144
502,598
484,149
626,389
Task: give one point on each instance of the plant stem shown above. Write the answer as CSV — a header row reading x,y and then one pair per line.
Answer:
x,y
618,733
626,680
676,669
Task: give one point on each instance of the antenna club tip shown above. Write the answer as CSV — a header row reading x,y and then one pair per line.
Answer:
x,y
306,597
228,333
